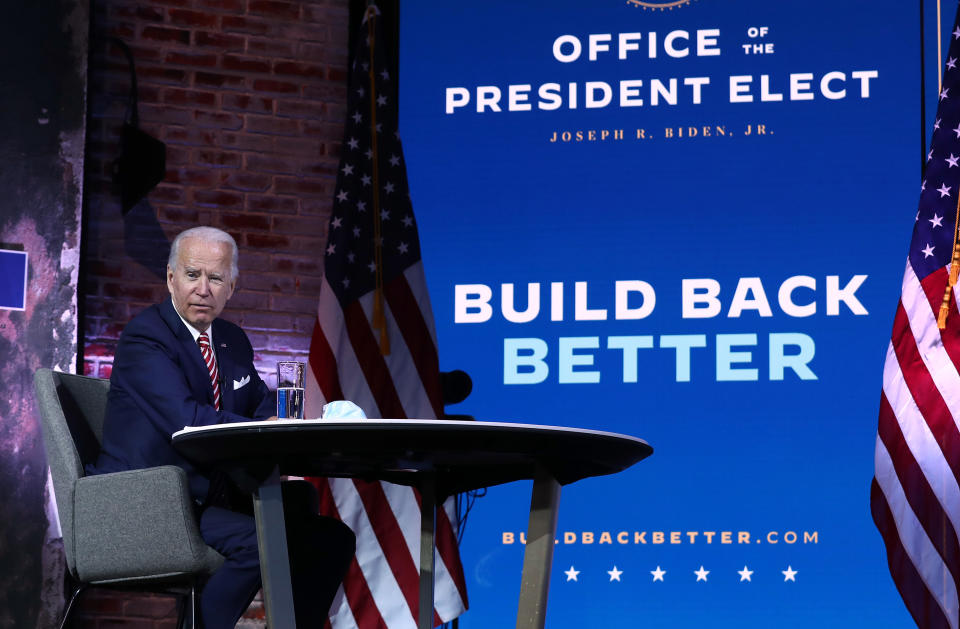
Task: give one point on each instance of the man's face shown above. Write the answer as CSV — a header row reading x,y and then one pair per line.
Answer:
x,y
200,285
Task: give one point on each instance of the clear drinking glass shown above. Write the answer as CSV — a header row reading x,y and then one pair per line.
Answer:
x,y
290,389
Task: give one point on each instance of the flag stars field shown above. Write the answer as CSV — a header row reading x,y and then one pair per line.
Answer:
x,y
365,265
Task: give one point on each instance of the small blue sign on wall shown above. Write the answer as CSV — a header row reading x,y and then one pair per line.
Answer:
x,y
13,279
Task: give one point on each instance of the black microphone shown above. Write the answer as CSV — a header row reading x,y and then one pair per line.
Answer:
x,y
455,386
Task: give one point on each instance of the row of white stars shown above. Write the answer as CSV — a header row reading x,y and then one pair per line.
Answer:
x,y
952,160
745,575
332,248
384,215
343,195
951,62
354,144
381,99
366,67
348,168
936,221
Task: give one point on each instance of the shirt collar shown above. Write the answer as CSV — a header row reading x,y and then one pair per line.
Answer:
x,y
194,332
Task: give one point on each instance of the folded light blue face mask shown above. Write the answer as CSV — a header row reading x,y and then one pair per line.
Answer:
x,y
342,409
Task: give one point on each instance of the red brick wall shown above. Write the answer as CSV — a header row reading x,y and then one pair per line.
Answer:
x,y
249,97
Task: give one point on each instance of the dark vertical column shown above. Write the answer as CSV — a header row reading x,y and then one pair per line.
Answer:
x,y
43,70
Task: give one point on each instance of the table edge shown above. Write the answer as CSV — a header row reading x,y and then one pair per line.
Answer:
x,y
371,423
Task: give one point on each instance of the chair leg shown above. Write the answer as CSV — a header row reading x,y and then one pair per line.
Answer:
x,y
193,607
181,612
69,608
187,608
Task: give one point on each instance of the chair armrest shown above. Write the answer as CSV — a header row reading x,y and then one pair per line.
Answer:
x,y
136,524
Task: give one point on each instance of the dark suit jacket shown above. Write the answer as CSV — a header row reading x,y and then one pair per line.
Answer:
x,y
160,384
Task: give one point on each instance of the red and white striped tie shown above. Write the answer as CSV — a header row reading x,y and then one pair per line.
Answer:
x,y
204,341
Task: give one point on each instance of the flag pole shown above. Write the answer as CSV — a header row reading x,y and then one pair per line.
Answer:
x,y
923,95
379,316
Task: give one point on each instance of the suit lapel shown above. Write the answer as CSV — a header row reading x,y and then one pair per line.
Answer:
x,y
226,365
194,368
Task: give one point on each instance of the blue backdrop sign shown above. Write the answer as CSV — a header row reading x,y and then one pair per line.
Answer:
x,y
684,221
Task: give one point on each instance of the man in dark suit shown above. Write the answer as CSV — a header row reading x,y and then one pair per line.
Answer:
x,y
178,365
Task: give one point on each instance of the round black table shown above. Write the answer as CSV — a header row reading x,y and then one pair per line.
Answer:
x,y
439,457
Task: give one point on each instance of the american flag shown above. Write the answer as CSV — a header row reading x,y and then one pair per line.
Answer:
x,y
915,495
374,343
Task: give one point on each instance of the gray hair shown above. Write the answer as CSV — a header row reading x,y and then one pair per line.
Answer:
x,y
206,234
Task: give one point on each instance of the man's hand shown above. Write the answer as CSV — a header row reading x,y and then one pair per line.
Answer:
x,y
271,419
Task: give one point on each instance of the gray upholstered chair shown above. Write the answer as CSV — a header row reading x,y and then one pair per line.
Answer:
x,y
134,530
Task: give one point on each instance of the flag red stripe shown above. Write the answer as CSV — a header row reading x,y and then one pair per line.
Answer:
x,y
921,605
933,286
918,492
374,367
445,541
323,364
416,335
925,392
361,599
447,547
389,533
355,588
327,507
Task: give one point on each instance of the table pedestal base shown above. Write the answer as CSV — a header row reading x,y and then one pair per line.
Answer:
x,y
274,559
538,554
